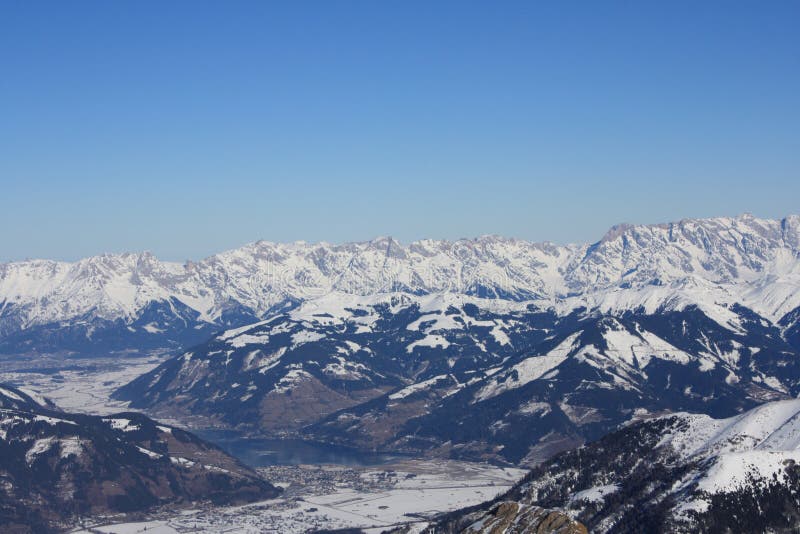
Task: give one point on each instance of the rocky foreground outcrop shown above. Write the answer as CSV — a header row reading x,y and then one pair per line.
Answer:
x,y
509,517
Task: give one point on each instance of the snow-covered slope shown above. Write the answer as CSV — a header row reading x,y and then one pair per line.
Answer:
x,y
480,378
679,473
57,467
742,260
332,353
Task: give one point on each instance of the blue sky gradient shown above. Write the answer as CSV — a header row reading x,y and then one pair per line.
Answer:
x,y
187,128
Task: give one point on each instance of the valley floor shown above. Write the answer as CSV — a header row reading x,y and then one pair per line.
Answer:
x,y
316,496
77,384
329,497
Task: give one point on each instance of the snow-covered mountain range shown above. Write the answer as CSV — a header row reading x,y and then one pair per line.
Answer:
x,y
116,302
456,375
489,348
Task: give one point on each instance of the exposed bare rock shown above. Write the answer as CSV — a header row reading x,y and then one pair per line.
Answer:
x,y
509,517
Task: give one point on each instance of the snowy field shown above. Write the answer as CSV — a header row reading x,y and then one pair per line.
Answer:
x,y
77,384
407,492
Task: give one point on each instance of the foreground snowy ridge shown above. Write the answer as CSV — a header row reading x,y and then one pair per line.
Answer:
x,y
676,473
746,260
757,442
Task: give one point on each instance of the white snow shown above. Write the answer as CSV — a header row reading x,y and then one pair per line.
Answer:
x,y
71,446
756,444
431,340
710,263
148,452
528,370
10,394
88,386
153,328
248,339
345,369
39,446
122,424
290,380
595,494
306,336
732,470
500,336
268,362
143,527
419,386
39,399
535,408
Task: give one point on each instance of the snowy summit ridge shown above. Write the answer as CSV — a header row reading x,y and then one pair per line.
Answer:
x,y
744,260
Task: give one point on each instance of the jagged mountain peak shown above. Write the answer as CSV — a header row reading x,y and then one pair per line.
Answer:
x,y
748,260
616,231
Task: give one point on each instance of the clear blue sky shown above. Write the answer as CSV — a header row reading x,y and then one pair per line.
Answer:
x,y
186,128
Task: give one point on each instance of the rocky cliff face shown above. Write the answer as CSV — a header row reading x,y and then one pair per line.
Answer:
x,y
510,517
